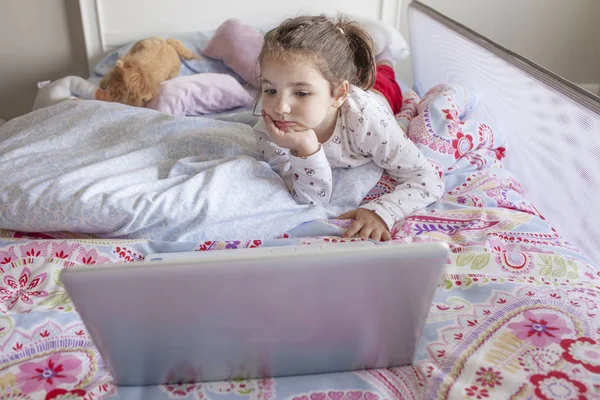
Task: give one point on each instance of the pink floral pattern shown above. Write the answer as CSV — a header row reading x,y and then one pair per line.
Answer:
x,y
462,144
48,373
185,385
540,330
22,289
488,377
451,114
486,136
63,249
90,257
557,385
181,389
35,249
339,395
16,396
584,351
476,392
515,262
8,256
63,394
500,153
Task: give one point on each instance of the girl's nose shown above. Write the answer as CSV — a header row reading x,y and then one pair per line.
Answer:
x,y
282,106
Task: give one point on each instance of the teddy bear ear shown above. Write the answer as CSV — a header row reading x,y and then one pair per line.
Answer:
x,y
119,63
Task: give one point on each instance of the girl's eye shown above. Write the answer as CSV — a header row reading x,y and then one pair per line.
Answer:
x,y
302,94
270,91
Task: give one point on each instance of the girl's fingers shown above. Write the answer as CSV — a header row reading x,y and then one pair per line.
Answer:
x,y
271,126
365,232
353,230
386,236
376,235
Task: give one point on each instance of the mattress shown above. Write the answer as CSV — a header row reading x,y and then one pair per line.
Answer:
x,y
514,311
515,314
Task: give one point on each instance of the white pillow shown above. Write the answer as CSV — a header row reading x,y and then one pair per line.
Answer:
x,y
385,35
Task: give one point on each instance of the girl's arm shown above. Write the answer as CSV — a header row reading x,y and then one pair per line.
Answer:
x,y
418,184
307,178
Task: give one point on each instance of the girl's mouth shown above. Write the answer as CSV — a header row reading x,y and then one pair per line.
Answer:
x,y
284,124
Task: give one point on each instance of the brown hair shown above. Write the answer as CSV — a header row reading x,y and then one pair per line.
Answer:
x,y
341,49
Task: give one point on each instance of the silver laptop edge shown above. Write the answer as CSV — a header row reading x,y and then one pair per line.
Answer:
x,y
312,311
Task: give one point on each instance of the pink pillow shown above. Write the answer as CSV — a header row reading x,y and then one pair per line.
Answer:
x,y
238,46
200,94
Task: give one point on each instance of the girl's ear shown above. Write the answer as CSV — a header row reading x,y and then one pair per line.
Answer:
x,y
339,95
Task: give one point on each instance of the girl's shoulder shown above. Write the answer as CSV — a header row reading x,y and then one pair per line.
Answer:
x,y
364,103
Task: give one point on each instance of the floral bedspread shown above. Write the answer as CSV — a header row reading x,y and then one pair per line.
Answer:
x,y
516,314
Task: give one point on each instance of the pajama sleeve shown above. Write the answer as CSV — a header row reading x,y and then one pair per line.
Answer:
x,y
82,88
418,184
309,179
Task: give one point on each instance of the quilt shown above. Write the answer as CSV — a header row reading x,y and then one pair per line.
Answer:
x,y
515,316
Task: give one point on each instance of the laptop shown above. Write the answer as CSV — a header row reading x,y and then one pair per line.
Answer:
x,y
258,313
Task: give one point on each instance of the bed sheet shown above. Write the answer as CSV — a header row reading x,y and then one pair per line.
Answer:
x,y
515,314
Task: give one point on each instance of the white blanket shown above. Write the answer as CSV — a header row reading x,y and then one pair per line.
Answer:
x,y
118,171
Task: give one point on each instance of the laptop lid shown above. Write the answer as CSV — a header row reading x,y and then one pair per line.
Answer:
x,y
286,313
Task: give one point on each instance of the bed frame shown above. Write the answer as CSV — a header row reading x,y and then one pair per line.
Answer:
x,y
111,23
551,125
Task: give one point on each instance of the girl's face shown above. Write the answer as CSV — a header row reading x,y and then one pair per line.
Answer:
x,y
296,95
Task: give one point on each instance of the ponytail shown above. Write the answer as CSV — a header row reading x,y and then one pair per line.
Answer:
x,y
361,46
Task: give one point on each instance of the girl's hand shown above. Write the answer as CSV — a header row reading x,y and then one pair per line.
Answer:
x,y
303,143
367,224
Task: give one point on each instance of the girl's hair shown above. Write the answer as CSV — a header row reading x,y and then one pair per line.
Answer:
x,y
341,49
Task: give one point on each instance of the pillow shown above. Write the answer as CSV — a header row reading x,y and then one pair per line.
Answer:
x,y
238,46
196,42
200,94
385,35
449,128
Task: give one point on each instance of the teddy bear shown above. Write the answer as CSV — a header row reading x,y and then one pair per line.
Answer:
x,y
136,77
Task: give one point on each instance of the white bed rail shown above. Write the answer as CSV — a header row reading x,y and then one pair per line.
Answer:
x,y
552,126
111,23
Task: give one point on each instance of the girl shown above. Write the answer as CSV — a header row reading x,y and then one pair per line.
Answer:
x,y
320,112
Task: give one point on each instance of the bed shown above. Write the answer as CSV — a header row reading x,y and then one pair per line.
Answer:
x,y
515,314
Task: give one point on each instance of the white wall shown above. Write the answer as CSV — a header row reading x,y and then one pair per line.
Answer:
x,y
39,40
42,40
561,35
